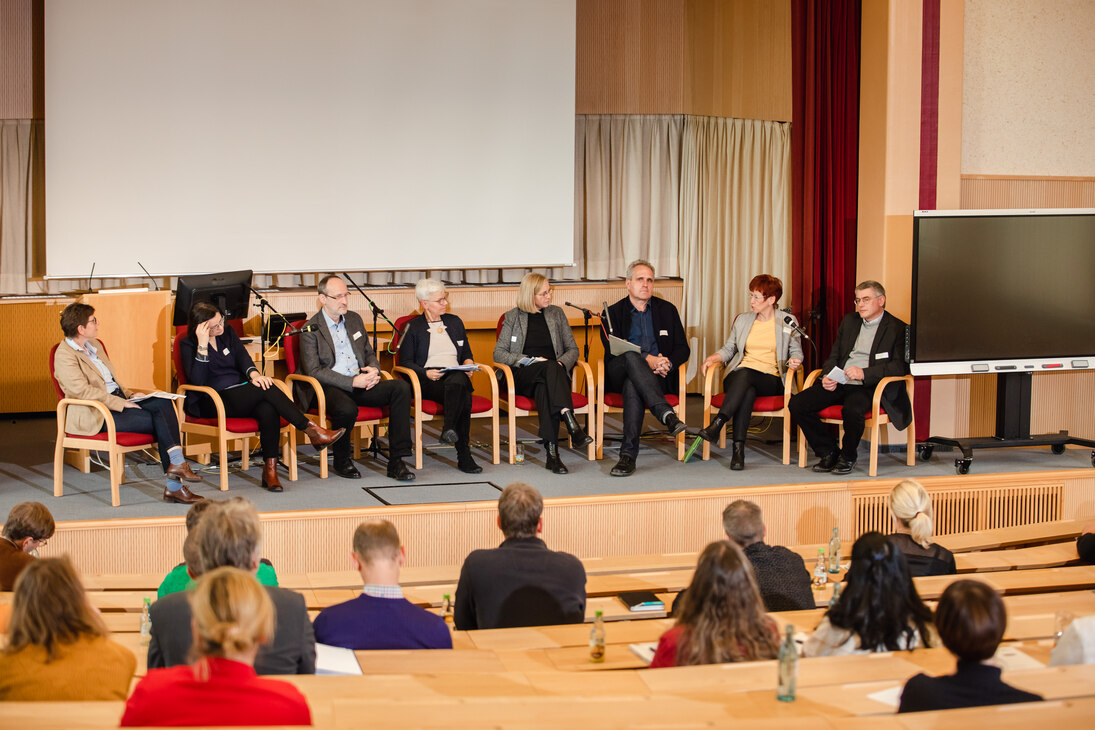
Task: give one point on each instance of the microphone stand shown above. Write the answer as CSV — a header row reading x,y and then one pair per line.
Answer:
x,y
374,444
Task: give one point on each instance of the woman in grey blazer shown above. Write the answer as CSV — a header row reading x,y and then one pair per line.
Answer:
x,y
760,350
536,341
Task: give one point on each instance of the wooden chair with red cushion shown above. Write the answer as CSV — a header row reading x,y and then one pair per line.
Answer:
x,y
369,418
614,403
223,432
426,410
520,405
116,443
876,418
769,406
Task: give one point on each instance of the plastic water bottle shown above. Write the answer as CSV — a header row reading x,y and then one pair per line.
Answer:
x,y
788,667
821,574
446,612
597,639
146,621
834,552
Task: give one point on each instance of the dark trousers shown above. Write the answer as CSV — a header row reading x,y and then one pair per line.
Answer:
x,y
806,405
453,391
629,375
155,416
548,384
267,407
342,410
740,389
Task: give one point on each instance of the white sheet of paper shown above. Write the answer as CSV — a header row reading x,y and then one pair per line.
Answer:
x,y
891,696
644,651
838,375
1011,659
335,660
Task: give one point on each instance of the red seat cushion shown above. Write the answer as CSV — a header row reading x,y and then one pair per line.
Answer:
x,y
616,400
232,425
836,413
479,404
762,403
125,438
528,404
364,413
432,407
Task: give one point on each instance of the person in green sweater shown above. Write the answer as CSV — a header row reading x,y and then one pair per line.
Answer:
x,y
183,575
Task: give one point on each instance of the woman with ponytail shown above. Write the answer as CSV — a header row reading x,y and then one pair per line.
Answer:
x,y
879,608
914,524
232,615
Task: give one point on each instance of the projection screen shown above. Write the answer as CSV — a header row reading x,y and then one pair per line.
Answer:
x,y
308,135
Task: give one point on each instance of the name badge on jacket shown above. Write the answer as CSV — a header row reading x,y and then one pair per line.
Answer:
x,y
357,336
882,356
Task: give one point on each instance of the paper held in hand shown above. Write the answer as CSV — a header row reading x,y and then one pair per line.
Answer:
x,y
157,394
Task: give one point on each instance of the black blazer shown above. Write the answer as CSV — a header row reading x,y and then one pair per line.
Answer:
x,y
414,343
887,358
198,373
973,685
673,344
292,649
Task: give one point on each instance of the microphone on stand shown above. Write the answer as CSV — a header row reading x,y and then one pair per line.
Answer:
x,y
790,322
583,310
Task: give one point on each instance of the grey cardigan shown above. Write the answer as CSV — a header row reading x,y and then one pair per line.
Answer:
x,y
788,344
511,340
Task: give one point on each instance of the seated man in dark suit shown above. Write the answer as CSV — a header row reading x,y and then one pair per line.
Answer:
x,y
521,582
337,354
229,533
643,378
380,618
781,574
870,345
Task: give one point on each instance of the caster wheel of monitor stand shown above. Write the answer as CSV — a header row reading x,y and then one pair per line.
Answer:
x,y
1057,449
925,452
962,466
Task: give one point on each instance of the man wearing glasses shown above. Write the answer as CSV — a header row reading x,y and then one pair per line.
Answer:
x,y
335,351
29,526
870,345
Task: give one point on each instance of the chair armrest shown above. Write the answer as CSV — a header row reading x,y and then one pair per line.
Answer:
x,y
788,381
507,372
385,375
416,384
876,402
317,388
222,419
811,378
489,371
62,411
709,385
591,389
601,384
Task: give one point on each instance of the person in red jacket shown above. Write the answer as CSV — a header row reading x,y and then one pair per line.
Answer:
x,y
232,617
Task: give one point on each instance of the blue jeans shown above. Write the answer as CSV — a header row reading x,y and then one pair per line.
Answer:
x,y
155,416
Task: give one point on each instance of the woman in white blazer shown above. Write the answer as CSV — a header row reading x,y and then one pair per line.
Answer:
x,y
760,350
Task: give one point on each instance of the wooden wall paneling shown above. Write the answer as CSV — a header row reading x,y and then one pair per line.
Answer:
x,y
738,59
1026,191
136,329
30,328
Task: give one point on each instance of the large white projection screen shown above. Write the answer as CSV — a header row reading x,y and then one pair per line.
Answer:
x,y
308,135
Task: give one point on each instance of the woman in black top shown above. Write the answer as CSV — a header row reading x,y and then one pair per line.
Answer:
x,y
913,522
970,619
537,329
213,355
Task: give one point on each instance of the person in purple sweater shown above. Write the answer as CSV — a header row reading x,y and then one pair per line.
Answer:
x,y
380,618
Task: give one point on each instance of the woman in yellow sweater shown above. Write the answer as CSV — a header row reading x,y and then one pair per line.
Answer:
x,y
58,647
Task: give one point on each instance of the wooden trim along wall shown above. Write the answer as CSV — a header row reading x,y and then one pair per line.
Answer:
x,y
1026,191
619,525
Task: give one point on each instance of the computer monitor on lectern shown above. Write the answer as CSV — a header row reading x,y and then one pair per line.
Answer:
x,y
229,290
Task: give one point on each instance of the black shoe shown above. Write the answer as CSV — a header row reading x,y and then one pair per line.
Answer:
x,y
346,469
466,464
674,425
826,464
843,466
711,433
737,461
578,437
398,470
625,467
553,463
448,436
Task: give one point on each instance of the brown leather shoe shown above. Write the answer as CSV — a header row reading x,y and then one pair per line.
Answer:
x,y
320,437
270,480
182,471
181,496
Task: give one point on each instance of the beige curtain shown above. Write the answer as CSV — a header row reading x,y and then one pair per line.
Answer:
x,y
22,161
735,205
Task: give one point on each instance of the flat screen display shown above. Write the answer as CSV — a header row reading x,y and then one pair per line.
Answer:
x,y
1000,291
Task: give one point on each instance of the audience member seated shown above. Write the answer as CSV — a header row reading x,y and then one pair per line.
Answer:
x,y
380,618
781,574
229,534
28,527
879,608
913,522
232,617
84,371
970,619
521,582
58,647
1085,543
212,355
183,575
1076,645
722,618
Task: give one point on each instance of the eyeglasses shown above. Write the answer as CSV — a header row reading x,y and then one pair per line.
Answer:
x,y
757,297
864,300
438,300
39,543
343,295
93,320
